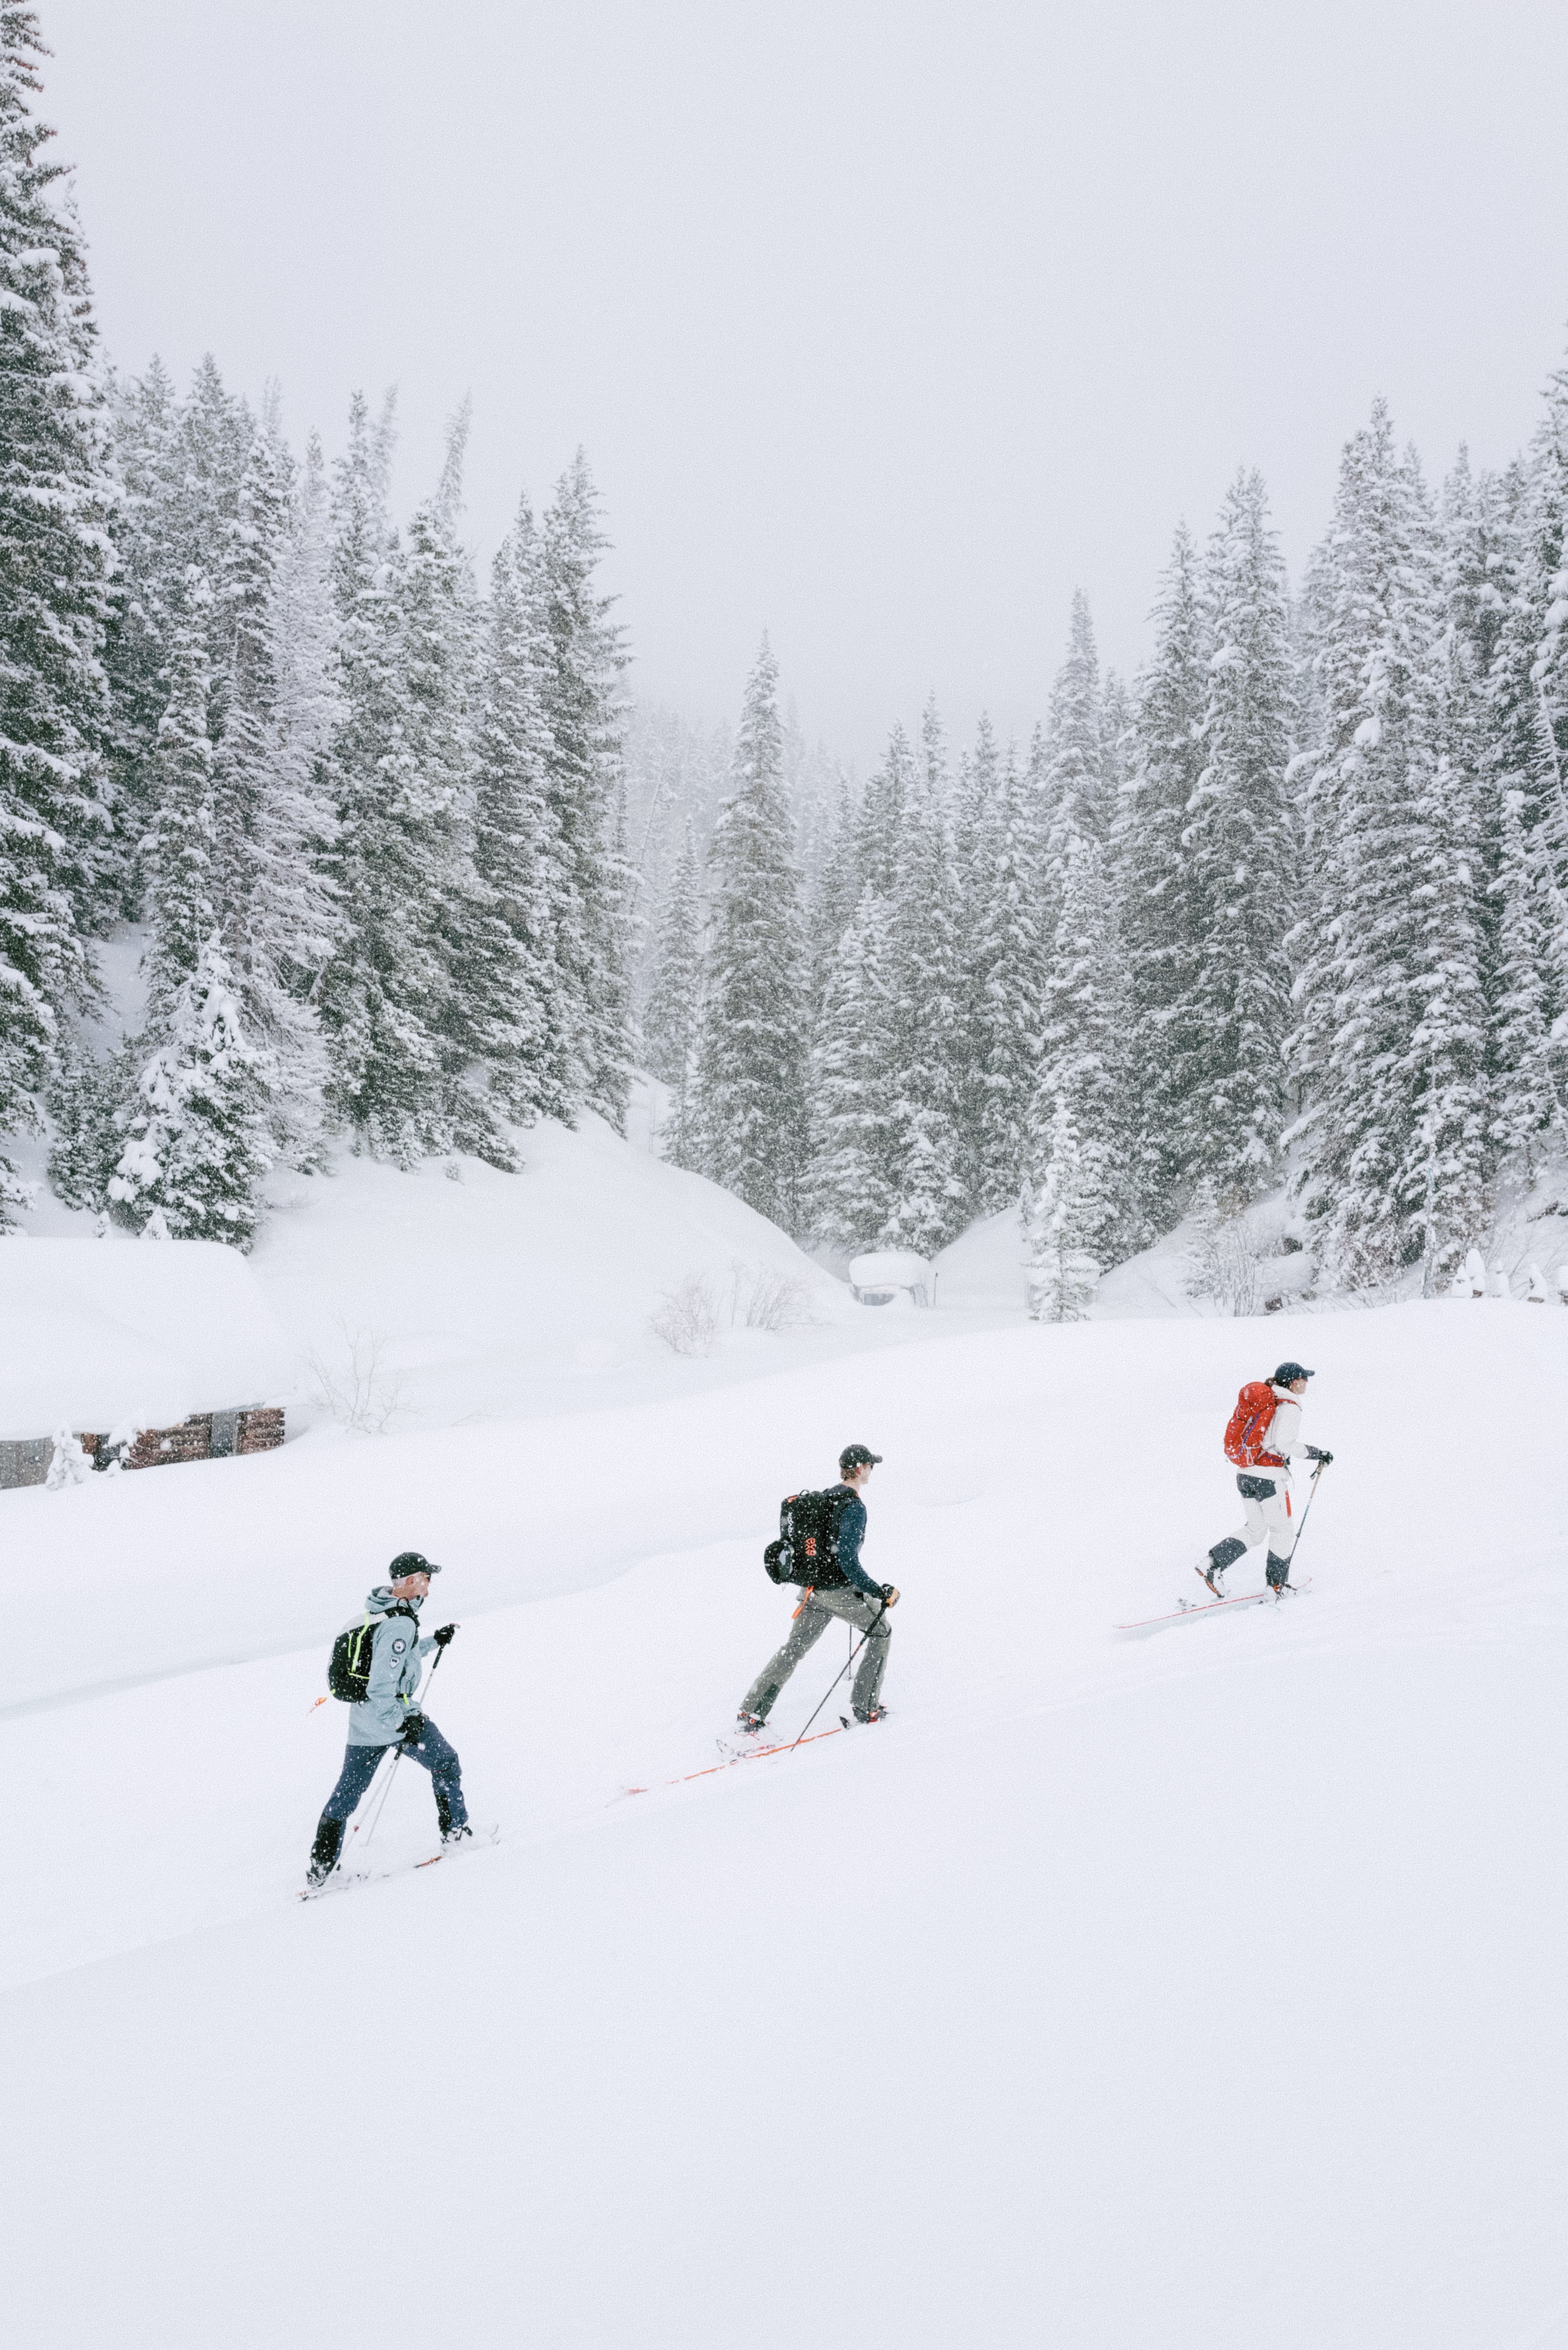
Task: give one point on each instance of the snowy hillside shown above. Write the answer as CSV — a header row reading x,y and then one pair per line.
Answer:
x,y
1198,1992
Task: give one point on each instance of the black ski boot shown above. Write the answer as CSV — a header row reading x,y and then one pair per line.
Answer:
x,y
872,1714
750,1725
323,1853
1279,1574
451,1836
1212,1568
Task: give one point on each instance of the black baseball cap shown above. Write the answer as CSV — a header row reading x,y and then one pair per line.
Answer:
x,y
1289,1371
857,1456
409,1562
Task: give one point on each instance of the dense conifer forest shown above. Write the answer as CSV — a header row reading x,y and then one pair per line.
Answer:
x,y
413,870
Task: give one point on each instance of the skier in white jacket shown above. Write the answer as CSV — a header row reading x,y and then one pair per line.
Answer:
x,y
1265,1490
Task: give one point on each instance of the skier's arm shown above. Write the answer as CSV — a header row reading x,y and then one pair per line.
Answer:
x,y
851,1527
1284,1434
388,1707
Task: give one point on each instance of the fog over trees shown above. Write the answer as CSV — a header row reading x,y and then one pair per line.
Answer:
x,y
413,869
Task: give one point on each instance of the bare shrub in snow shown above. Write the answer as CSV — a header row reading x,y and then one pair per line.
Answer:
x,y
777,1301
357,1390
687,1317
1229,1256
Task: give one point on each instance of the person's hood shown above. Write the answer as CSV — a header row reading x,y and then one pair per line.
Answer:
x,y
381,1599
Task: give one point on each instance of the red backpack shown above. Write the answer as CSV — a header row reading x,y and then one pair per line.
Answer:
x,y
1249,1424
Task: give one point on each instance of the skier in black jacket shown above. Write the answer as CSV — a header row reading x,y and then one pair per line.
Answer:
x,y
843,1590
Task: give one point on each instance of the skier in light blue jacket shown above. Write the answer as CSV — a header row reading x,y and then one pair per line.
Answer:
x,y
387,1716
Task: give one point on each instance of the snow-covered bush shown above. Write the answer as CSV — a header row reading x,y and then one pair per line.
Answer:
x,y
687,1317
776,1300
68,1464
1229,1254
358,1388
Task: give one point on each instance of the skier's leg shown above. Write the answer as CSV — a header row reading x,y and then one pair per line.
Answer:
x,y
1225,1554
1282,1528
360,1766
359,1769
812,1620
867,1615
434,1753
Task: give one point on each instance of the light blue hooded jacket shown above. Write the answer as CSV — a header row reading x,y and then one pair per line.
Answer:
x,y
396,1657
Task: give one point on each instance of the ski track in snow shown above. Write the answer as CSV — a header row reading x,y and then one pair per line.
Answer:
x,y
1193,1991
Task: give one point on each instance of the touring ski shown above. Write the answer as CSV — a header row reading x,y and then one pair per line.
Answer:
x,y
348,1874
730,1756
1187,1611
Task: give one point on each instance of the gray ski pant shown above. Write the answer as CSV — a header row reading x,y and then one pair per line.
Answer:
x,y
812,1620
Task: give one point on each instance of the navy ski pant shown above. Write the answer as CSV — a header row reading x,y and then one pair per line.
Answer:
x,y
432,1753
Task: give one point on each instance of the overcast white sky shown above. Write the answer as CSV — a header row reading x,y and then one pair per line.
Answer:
x,y
885,327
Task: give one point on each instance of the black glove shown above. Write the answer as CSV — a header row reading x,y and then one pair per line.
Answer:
x,y
444,1633
413,1729
1316,1452
887,1591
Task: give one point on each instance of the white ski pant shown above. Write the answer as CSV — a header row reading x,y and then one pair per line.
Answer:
x,y
1269,1518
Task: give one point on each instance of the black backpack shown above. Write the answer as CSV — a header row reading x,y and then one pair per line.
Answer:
x,y
348,1667
807,1551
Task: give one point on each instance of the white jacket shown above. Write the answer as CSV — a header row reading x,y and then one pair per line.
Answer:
x,y
1284,1437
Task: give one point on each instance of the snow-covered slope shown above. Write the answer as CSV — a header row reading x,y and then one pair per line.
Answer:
x,y
1200,1991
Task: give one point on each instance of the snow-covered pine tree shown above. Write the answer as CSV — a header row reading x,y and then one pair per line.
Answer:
x,y
1164,921
1007,948
1241,841
1529,697
1375,616
281,920
1442,1181
1529,1119
1076,785
1063,1212
851,1187
751,1112
881,815
832,903
384,996
509,981
924,1012
56,875
671,1022
583,710
973,816
432,770
195,1148
1077,1210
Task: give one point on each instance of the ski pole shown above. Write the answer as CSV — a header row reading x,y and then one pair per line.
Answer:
x,y
843,1668
1307,1511
419,1707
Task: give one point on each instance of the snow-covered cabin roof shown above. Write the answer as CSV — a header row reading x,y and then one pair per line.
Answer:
x,y
97,1334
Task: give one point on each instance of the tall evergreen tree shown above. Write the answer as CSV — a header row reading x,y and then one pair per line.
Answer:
x,y
56,497
1008,953
195,1144
1163,912
852,1189
582,708
672,1024
1241,839
924,1032
1373,795
1079,799
384,997
751,1062
1076,1201
509,981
